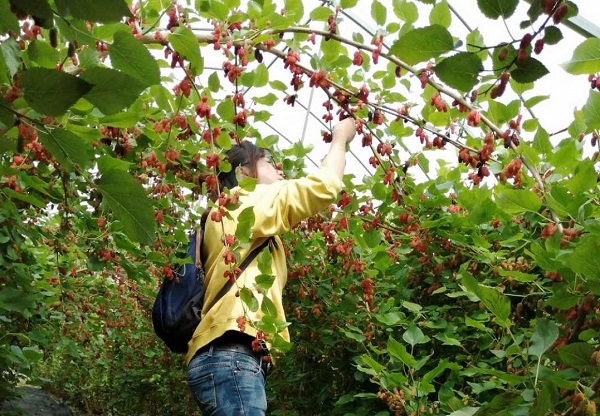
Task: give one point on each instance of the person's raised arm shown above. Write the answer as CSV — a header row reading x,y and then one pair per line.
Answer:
x,y
342,134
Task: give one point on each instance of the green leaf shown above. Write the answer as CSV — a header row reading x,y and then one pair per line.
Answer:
x,y
399,352
546,400
112,90
43,54
541,141
37,8
245,221
356,336
414,336
552,35
94,10
591,111
440,14
52,92
460,71
268,99
11,52
128,201
413,307
348,4
212,9
529,70
516,201
378,12
130,56
7,117
8,21
261,76
294,9
184,42
501,405
519,276
213,82
106,163
321,13
68,148
422,44
576,355
583,178
406,11
14,300
264,281
496,302
249,299
586,58
494,9
546,332
585,258
268,307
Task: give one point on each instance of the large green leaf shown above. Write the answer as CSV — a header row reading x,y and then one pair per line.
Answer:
x,y
132,57
576,355
585,258
546,400
8,21
586,58
127,199
186,45
7,117
294,9
11,52
43,54
378,12
112,90
494,9
52,92
406,11
501,405
399,352
460,71
496,302
529,70
440,14
36,8
94,10
422,44
14,300
546,332
591,111
68,148
516,201
212,9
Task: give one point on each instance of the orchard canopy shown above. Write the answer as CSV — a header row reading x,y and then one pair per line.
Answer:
x,y
458,273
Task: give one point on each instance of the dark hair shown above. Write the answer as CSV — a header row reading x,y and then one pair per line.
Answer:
x,y
242,154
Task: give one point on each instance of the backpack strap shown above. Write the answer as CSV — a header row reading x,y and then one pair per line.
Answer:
x,y
199,237
242,267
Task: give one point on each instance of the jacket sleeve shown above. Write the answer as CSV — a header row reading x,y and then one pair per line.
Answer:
x,y
282,205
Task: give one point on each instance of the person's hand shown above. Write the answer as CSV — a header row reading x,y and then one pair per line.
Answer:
x,y
345,130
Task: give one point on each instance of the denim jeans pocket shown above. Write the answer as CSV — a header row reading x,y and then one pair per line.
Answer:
x,y
203,389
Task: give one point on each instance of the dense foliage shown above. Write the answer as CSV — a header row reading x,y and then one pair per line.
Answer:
x,y
468,289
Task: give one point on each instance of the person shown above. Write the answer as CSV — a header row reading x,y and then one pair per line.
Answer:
x,y
226,373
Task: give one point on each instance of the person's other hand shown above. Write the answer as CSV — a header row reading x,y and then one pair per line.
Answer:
x,y
344,130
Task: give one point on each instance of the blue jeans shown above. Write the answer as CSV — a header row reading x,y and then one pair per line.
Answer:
x,y
227,383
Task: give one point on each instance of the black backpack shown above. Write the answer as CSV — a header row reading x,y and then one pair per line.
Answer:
x,y
178,306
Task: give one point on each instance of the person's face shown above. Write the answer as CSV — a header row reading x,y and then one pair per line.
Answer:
x,y
266,172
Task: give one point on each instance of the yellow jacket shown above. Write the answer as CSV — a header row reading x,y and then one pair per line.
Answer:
x,y
277,208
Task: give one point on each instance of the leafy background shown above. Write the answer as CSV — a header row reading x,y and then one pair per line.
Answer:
x,y
430,287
